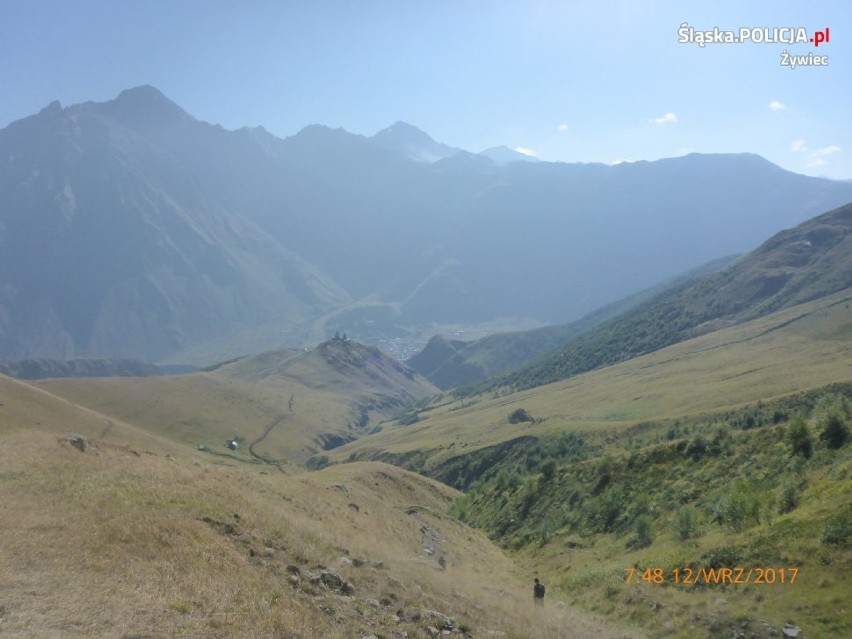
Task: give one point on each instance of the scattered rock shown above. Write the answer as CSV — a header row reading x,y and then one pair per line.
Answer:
x,y
314,580
354,506
335,582
293,570
77,441
791,630
345,561
445,622
331,579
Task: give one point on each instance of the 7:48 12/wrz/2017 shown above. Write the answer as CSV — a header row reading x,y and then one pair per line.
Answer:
x,y
712,576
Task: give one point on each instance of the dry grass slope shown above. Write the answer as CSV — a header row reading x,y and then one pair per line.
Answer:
x,y
138,536
314,399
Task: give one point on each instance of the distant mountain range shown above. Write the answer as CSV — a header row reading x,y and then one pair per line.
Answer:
x,y
809,262
129,229
51,368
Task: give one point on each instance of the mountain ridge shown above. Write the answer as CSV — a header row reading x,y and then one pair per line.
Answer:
x,y
795,266
131,229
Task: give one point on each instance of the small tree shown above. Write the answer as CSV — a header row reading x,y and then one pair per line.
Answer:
x,y
644,528
788,498
831,414
548,469
685,523
834,432
799,438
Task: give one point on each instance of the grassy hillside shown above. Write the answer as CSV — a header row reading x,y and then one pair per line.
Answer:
x,y
453,363
665,461
805,263
804,347
138,536
708,454
280,406
339,364
713,496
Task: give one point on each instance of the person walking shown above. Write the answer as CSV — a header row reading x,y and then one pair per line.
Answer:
x,y
538,593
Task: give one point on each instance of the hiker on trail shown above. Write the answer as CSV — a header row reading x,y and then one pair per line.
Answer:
x,y
538,593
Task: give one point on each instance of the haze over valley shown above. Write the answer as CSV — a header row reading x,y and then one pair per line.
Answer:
x,y
133,230
357,320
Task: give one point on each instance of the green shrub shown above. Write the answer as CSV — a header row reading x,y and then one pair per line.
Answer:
x,y
722,557
788,498
685,523
832,418
606,509
548,469
834,432
740,507
643,531
798,438
838,528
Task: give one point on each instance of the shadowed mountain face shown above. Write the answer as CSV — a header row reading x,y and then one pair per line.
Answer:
x,y
452,363
112,246
131,229
808,262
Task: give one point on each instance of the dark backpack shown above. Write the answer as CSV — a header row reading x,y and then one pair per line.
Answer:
x,y
538,591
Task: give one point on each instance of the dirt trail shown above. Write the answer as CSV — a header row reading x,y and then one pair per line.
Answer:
x,y
266,434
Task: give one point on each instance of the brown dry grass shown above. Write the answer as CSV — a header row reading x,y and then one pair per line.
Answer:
x,y
141,537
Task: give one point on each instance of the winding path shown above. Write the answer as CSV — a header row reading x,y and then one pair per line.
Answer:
x,y
266,434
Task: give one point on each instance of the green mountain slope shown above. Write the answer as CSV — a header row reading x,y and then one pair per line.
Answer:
x,y
630,487
453,363
711,528
805,263
803,347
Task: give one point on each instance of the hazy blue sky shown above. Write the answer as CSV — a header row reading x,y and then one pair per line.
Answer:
x,y
592,81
